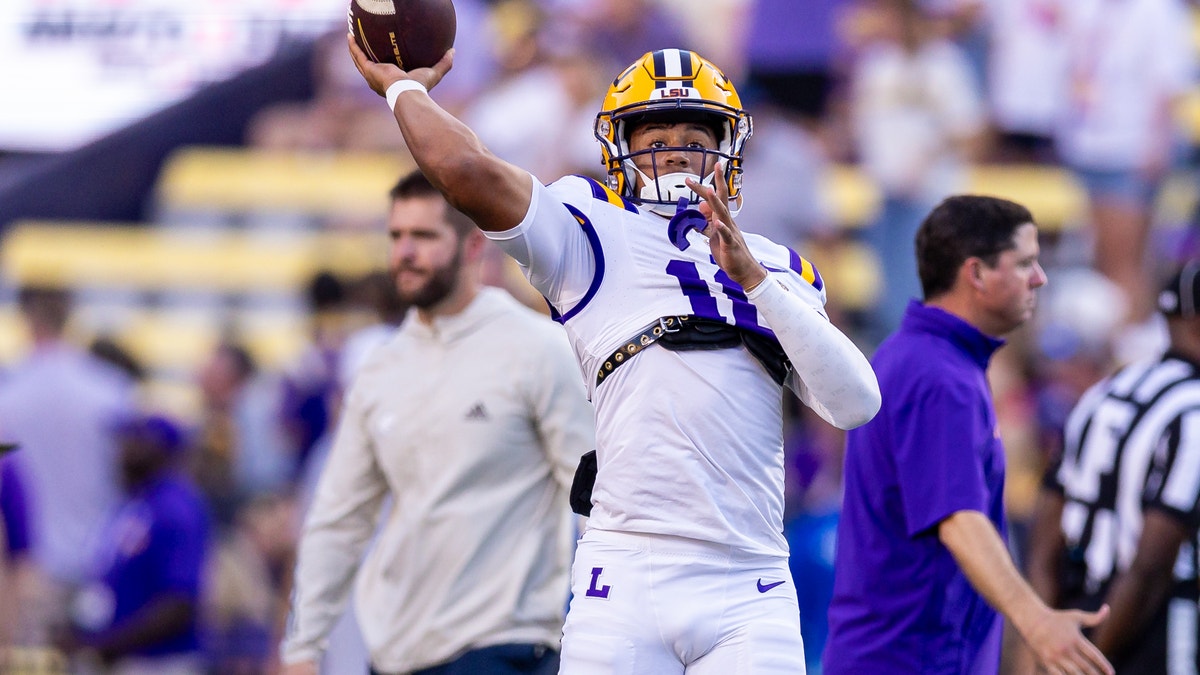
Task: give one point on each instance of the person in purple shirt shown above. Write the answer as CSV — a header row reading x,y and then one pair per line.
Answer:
x,y
921,566
140,613
14,514
14,546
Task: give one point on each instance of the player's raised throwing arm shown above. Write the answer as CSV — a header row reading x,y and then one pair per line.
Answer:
x,y
494,193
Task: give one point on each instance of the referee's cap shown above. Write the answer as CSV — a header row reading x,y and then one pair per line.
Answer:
x,y
1181,294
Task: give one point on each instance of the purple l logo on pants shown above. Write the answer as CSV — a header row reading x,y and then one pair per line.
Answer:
x,y
594,592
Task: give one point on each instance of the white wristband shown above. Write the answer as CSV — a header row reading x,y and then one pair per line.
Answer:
x,y
399,87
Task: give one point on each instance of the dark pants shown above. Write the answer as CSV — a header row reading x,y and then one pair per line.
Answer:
x,y
498,660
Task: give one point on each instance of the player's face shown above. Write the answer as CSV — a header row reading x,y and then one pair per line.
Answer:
x,y
672,137
426,252
1010,287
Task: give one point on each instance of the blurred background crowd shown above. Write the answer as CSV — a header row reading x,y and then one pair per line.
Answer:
x,y
218,259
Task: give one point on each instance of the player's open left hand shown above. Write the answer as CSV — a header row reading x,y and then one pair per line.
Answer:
x,y
724,238
381,75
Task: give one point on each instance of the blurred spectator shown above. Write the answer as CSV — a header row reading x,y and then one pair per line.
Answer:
x,y
139,614
918,122
785,167
793,54
340,116
240,450
59,404
310,385
614,33
244,591
1129,62
542,117
14,550
1026,77
963,22
1077,316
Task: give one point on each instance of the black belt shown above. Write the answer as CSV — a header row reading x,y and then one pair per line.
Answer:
x,y
690,333
664,325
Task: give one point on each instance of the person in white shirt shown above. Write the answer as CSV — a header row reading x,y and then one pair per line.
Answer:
x,y
471,418
686,330
918,121
1129,64
1026,85
69,454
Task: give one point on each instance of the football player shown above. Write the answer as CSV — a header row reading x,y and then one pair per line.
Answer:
x,y
685,329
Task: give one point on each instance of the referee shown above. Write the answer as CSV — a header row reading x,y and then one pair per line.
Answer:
x,y
1118,518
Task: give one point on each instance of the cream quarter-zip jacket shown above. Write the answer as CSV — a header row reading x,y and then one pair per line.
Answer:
x,y
474,426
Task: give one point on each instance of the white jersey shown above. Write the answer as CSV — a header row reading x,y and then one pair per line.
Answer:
x,y
689,443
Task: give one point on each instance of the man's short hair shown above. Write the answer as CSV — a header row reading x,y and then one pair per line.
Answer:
x,y
46,305
416,186
962,227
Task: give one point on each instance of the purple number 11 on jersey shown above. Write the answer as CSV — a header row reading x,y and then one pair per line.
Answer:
x,y
704,305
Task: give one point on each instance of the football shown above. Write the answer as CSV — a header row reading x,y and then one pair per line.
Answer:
x,y
409,33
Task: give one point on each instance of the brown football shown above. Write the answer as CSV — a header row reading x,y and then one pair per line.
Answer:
x,y
409,33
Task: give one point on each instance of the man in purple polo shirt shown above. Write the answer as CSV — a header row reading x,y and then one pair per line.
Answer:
x,y
140,613
921,556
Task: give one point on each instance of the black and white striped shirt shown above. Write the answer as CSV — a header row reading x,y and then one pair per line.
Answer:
x,y
1132,443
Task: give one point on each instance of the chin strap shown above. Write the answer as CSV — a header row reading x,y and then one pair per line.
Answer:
x,y
682,222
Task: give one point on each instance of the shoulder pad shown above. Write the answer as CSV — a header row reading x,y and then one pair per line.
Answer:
x,y
605,194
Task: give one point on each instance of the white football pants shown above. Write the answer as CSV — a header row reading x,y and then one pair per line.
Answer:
x,y
653,605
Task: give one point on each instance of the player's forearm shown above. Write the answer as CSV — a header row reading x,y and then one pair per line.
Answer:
x,y
490,191
837,375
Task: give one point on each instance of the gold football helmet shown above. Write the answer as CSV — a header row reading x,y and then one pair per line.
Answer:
x,y
671,84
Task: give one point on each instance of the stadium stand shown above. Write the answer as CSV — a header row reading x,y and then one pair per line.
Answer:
x,y
237,232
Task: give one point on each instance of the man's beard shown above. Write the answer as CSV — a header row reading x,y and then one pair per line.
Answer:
x,y
441,282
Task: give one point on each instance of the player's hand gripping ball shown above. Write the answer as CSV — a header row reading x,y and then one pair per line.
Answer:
x,y
409,33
